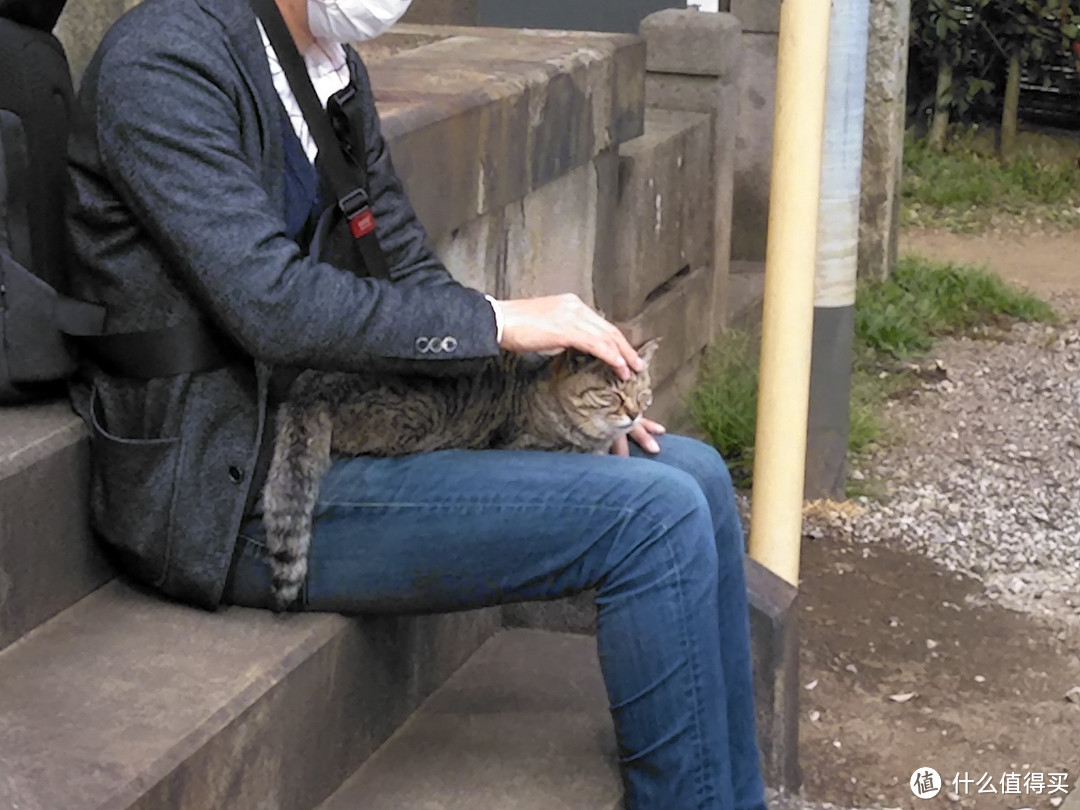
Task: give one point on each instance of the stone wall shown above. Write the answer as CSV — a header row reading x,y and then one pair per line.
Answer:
x,y
580,188
760,21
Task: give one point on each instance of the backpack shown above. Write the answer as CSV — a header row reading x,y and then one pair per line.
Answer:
x,y
35,99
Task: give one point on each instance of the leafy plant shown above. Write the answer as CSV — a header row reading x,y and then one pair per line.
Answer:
x,y
966,59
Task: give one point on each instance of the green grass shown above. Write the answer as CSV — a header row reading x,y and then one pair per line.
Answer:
x,y
894,320
924,300
724,404
966,190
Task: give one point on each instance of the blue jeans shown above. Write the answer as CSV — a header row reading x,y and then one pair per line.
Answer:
x,y
658,538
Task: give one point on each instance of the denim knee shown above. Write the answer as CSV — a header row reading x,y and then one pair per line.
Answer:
x,y
711,474
669,530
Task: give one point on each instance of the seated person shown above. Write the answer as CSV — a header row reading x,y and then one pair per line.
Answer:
x,y
194,190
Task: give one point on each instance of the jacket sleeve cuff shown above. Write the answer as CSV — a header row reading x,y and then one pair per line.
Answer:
x,y
496,308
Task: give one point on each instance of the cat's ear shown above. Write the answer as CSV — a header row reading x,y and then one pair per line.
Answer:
x,y
647,350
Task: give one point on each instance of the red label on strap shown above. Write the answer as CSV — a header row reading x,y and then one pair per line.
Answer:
x,y
362,224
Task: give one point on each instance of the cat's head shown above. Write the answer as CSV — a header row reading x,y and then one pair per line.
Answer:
x,y
600,404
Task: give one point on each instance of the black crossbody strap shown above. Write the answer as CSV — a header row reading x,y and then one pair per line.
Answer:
x,y
347,181
188,348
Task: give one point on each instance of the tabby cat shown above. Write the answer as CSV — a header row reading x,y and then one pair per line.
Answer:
x,y
571,402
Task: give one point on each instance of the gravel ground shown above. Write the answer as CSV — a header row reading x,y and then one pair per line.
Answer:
x,y
984,478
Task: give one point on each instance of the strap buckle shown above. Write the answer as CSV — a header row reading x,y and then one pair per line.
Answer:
x,y
357,210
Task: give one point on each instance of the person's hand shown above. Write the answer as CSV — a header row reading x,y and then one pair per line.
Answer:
x,y
642,434
558,322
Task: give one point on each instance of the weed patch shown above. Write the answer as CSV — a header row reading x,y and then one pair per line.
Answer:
x,y
894,320
964,190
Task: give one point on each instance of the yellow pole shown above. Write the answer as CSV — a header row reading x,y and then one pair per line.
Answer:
x,y
790,258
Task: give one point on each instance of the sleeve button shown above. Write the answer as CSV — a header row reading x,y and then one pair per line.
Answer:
x,y
236,475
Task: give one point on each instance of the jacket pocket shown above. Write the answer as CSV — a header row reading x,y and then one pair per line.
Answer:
x,y
133,484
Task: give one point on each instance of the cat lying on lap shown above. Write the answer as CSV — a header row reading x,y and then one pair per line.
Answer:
x,y
568,403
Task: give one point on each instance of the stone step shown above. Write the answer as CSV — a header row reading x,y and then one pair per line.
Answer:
x,y
48,559
523,725
127,701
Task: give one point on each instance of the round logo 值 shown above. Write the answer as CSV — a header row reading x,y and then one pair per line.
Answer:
x,y
925,783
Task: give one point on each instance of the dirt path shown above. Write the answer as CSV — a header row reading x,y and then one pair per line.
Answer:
x,y
1045,263
980,689
987,684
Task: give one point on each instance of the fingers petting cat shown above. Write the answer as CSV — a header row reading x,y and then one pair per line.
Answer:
x,y
566,322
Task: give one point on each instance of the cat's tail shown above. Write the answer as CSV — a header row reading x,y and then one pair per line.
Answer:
x,y
301,458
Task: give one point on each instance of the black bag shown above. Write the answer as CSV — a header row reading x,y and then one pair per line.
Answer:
x,y
39,14
35,99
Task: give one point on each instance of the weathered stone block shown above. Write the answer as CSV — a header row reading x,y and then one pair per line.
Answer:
x,y
524,725
48,558
475,253
679,314
82,26
672,395
551,238
672,91
746,294
128,701
719,96
757,16
514,110
573,15
665,211
572,614
627,54
753,149
442,12
690,42
605,258
724,138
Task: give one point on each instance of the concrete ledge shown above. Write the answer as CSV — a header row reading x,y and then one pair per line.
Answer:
x,y
523,725
689,42
478,118
48,559
127,701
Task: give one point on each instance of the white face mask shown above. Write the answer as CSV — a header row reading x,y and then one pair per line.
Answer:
x,y
354,20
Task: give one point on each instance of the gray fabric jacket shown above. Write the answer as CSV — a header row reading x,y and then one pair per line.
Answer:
x,y
176,212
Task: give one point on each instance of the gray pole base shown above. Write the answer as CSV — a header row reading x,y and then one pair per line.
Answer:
x,y
830,402
774,630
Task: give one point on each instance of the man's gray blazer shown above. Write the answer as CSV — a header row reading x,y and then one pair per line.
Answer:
x,y
177,212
